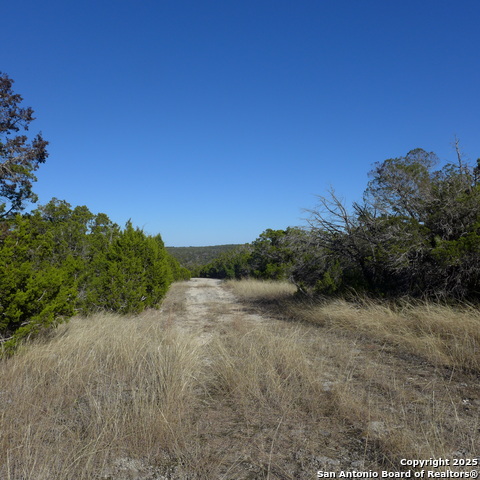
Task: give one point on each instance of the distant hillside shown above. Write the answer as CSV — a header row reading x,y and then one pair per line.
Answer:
x,y
194,257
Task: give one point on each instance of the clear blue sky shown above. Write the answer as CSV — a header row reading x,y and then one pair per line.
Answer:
x,y
210,121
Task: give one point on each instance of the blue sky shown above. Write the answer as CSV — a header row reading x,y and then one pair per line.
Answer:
x,y
211,121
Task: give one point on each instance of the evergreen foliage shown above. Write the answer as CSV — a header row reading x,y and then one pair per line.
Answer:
x,y
270,256
19,158
35,292
229,265
58,261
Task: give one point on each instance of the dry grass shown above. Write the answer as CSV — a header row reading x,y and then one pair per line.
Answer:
x,y
404,378
101,388
117,398
256,290
113,398
269,367
444,335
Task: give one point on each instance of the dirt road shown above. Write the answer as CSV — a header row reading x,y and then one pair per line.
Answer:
x,y
202,305
265,423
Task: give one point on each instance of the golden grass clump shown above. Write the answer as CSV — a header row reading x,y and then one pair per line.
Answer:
x,y
261,290
101,387
267,367
442,334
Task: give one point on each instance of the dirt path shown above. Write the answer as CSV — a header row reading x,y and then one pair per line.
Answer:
x,y
268,437
206,306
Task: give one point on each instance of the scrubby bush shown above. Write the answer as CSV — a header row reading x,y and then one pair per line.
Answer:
x,y
416,233
58,261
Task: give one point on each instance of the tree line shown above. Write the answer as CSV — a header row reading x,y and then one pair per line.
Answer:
x,y
415,233
58,261
194,258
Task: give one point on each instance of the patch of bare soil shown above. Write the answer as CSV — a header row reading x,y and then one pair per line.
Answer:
x,y
209,308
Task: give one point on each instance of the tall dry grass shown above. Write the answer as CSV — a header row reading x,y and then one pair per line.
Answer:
x,y
443,334
261,290
118,398
101,388
403,377
271,368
